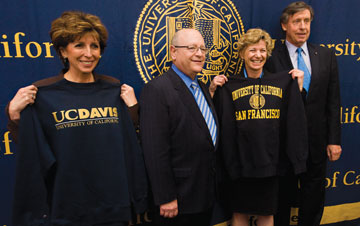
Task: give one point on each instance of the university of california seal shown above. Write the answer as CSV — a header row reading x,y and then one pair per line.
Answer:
x,y
257,101
217,20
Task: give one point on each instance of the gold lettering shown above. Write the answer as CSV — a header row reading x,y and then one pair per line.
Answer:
x,y
154,17
138,219
146,217
223,9
346,47
48,50
166,3
104,111
147,41
55,117
335,178
330,45
7,142
345,178
233,64
83,113
17,44
231,24
357,182
38,49
152,69
94,113
115,112
67,114
6,48
159,9
147,58
339,49
352,113
328,182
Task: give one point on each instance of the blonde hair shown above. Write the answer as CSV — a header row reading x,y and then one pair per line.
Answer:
x,y
253,36
72,25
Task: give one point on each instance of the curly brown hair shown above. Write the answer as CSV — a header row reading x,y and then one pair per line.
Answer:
x,y
72,25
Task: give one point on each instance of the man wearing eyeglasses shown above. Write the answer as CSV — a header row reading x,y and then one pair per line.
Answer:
x,y
178,129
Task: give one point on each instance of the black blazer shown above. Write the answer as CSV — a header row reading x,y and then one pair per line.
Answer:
x,y
322,104
179,153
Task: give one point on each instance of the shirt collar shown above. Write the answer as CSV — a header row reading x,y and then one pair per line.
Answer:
x,y
187,80
292,49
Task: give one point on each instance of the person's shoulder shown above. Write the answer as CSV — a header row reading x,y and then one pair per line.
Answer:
x,y
162,79
277,75
279,47
320,49
107,78
48,81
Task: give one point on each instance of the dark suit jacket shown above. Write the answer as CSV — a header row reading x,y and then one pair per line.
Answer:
x,y
179,152
322,103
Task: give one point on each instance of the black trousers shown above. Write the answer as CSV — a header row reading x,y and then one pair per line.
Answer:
x,y
196,219
310,197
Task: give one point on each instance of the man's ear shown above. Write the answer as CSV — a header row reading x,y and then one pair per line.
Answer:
x,y
283,26
173,52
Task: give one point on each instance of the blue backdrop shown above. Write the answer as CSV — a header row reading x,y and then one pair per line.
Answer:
x,y
138,41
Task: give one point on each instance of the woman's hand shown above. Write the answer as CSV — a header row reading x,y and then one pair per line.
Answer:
x,y
128,95
22,98
218,80
299,74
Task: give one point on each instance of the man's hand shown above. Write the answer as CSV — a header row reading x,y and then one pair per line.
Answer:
x,y
333,152
218,80
299,74
170,209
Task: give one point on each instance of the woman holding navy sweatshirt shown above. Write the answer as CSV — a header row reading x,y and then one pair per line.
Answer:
x,y
78,160
263,129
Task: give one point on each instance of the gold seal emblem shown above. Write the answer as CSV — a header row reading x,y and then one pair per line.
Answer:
x,y
217,20
257,101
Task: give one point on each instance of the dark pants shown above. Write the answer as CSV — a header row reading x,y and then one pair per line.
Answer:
x,y
309,198
197,219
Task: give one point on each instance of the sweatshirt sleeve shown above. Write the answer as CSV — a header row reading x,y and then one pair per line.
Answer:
x,y
296,127
137,178
33,162
12,125
228,134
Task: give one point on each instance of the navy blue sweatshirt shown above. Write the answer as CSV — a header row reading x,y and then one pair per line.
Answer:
x,y
78,161
262,125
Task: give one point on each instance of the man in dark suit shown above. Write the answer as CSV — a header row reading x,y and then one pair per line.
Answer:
x,y
322,104
179,143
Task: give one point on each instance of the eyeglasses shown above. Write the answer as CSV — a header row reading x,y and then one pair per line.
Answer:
x,y
194,49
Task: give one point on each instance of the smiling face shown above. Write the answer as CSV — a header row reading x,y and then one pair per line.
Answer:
x,y
190,63
83,55
297,28
254,57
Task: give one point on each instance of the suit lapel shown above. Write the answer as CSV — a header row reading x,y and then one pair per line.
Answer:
x,y
314,61
189,101
284,57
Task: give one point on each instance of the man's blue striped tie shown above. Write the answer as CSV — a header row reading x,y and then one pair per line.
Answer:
x,y
205,110
302,66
